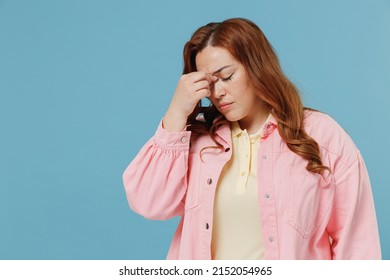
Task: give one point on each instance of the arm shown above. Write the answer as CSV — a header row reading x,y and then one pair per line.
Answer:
x,y
352,226
155,181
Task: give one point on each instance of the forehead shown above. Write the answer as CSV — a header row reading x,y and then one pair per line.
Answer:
x,y
211,59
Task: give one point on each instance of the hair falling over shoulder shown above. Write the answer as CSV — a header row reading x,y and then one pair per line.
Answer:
x,y
247,43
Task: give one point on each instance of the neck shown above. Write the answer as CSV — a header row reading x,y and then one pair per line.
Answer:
x,y
253,122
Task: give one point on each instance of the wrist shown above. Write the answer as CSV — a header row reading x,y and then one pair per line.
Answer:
x,y
174,122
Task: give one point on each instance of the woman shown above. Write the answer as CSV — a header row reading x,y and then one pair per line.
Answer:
x,y
255,175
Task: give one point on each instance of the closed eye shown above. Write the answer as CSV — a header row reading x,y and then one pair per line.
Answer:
x,y
228,78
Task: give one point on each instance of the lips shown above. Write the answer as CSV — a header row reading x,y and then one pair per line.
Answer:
x,y
224,105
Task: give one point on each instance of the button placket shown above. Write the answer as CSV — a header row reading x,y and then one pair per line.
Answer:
x,y
268,206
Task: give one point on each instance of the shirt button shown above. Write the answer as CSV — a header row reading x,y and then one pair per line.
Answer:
x,y
209,181
183,140
267,196
265,157
207,226
227,150
271,239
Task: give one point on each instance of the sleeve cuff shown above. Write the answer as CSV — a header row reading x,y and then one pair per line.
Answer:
x,y
172,139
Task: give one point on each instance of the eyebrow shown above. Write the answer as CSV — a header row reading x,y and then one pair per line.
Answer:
x,y
220,69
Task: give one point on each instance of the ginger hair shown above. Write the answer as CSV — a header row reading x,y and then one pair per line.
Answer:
x,y
247,44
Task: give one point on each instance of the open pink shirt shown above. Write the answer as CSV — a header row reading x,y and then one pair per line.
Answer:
x,y
303,215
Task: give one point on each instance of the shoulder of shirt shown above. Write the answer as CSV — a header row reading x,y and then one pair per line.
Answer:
x,y
329,135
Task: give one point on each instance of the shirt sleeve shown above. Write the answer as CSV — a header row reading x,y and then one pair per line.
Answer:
x,y
155,181
353,225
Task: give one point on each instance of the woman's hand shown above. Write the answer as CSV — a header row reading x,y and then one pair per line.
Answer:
x,y
190,89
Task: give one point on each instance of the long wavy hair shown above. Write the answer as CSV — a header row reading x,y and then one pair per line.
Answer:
x,y
248,45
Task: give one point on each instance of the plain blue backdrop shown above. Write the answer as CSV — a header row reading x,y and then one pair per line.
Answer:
x,y
83,85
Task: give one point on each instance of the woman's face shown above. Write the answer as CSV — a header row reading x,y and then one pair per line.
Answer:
x,y
232,94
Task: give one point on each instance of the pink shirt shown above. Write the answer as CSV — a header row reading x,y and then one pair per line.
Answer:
x,y
303,215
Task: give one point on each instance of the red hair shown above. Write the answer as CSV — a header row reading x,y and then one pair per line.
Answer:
x,y
248,45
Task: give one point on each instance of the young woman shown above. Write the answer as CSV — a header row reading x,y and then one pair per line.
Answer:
x,y
255,175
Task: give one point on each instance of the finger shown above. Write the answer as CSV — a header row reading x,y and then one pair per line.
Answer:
x,y
211,78
203,84
202,93
201,75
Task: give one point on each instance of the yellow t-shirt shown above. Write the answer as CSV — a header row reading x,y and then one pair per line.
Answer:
x,y
237,232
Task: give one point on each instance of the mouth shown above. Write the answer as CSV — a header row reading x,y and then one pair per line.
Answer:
x,y
224,105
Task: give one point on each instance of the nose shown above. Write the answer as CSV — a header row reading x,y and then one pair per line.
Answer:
x,y
218,89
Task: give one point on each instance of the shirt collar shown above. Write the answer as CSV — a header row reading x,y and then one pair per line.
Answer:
x,y
224,132
236,129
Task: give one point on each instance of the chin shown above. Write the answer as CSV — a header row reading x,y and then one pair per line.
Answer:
x,y
232,118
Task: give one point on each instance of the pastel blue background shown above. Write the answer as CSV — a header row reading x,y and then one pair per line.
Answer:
x,y
83,85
